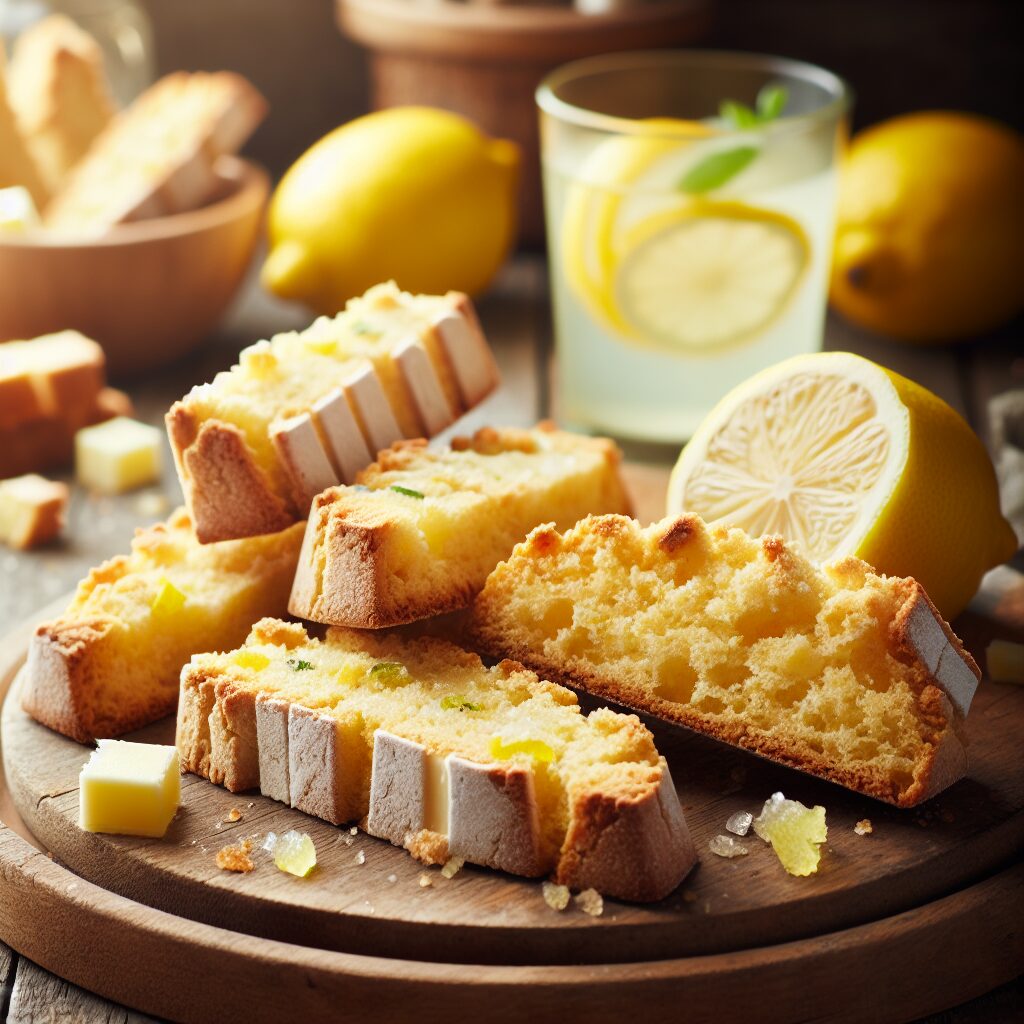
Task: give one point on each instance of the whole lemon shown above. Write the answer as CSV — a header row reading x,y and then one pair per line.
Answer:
x,y
930,232
413,194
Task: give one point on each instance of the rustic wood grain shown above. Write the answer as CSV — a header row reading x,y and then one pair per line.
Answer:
x,y
38,996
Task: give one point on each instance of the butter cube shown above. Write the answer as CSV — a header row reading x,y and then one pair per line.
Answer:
x,y
118,455
17,211
129,789
31,510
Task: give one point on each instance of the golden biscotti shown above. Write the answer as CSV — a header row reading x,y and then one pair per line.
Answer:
x,y
839,672
421,529
159,156
308,410
58,91
17,164
423,746
111,662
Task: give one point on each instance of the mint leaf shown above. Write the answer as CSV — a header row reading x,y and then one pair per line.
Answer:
x,y
299,665
715,170
739,115
408,492
771,101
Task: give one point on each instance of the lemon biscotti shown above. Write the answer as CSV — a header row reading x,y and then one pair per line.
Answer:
x,y
839,672
308,410
424,746
111,662
421,529
159,156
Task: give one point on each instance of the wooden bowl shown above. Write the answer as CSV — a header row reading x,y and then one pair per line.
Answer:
x,y
149,291
485,61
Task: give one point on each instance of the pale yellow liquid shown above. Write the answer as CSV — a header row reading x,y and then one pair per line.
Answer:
x,y
656,392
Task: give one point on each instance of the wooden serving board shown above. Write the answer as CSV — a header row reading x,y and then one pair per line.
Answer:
x,y
921,914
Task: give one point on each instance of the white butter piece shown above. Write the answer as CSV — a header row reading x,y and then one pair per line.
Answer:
x,y
345,442
31,510
130,789
119,455
18,212
424,385
302,452
470,356
366,394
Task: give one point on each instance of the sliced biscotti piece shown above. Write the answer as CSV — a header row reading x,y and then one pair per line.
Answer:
x,y
422,527
17,164
159,156
839,672
422,745
58,90
308,410
111,662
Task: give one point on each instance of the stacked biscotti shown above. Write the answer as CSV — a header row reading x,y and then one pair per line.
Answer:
x,y
51,387
306,411
422,745
836,671
422,527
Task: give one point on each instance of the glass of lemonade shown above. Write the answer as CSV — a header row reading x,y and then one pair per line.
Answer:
x,y
690,199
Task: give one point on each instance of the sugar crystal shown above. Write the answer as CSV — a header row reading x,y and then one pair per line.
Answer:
x,y
726,846
739,823
590,902
452,867
294,853
555,896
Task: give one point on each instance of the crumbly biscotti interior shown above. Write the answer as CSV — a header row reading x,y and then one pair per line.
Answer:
x,y
433,693
738,637
168,598
447,516
290,373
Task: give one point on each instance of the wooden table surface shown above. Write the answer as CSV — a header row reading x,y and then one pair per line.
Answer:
x,y
517,320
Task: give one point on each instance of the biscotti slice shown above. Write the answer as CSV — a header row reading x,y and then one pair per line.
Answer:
x,y
159,156
839,672
422,745
58,91
111,662
422,527
17,165
308,410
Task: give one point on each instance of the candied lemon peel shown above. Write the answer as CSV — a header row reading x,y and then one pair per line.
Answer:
x,y
795,832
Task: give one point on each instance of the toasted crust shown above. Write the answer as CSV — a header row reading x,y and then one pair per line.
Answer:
x,y
942,677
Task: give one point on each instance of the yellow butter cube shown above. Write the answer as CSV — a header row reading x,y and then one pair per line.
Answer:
x,y
17,211
118,455
129,789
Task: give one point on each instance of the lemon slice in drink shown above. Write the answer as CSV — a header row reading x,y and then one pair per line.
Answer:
x,y
845,457
707,275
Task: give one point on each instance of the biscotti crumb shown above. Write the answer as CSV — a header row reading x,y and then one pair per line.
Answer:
x,y
452,867
232,816
360,857
236,857
739,823
353,831
726,846
555,896
425,880
864,827
392,879
590,902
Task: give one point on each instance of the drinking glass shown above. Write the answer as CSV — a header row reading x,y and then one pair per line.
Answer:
x,y
690,202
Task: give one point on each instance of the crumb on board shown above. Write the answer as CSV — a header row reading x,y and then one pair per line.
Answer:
x,y
235,857
590,902
360,857
864,827
425,880
452,866
232,816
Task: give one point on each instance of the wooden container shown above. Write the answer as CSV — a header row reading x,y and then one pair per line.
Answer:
x,y
485,61
148,292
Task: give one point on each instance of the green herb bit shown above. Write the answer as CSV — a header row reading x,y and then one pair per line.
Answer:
x,y
771,101
456,702
408,492
715,170
299,665
390,673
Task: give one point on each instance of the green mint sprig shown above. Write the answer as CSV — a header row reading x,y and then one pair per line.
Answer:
x,y
408,492
715,170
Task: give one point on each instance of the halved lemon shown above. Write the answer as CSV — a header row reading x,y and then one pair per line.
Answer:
x,y
706,275
844,457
